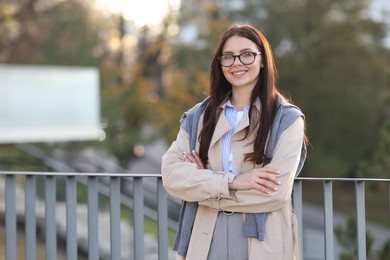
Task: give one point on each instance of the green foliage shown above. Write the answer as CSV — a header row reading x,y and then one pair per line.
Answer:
x,y
188,71
186,90
69,39
378,164
385,253
75,33
62,33
329,54
125,110
331,60
347,237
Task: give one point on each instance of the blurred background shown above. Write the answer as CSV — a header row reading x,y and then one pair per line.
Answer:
x,y
153,60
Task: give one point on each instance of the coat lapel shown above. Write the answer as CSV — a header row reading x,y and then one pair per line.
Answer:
x,y
221,128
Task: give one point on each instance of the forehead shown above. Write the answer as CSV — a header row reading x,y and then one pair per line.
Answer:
x,y
238,43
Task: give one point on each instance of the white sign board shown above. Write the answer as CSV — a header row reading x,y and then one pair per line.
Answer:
x,y
49,104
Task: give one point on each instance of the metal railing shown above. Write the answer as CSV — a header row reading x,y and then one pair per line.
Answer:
x,y
329,240
139,211
94,190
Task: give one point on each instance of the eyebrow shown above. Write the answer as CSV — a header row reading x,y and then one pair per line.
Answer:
x,y
241,51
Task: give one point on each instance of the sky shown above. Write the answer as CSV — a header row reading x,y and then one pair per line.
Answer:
x,y
151,12
142,12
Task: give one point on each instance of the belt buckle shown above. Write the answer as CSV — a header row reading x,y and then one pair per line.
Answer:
x,y
228,213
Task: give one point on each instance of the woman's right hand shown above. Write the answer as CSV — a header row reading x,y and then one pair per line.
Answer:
x,y
261,179
193,158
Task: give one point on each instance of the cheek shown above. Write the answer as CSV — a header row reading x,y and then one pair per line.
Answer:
x,y
225,72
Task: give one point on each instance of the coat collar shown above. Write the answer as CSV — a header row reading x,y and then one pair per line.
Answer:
x,y
223,126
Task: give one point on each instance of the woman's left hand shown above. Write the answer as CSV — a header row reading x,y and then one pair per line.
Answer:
x,y
193,158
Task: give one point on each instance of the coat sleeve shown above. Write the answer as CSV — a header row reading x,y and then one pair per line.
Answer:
x,y
185,181
286,158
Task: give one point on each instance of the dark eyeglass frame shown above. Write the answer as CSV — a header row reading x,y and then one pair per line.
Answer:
x,y
239,57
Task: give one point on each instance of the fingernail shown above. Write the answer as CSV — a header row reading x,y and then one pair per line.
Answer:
x,y
193,151
279,182
275,188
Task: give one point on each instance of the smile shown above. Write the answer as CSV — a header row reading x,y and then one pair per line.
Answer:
x,y
238,73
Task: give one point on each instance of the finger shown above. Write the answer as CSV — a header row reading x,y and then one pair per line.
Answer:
x,y
269,174
262,189
188,157
185,158
270,170
272,178
268,184
197,158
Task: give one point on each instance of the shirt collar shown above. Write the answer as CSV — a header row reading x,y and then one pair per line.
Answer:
x,y
256,104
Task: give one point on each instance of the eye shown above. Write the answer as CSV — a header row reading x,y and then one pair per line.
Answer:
x,y
227,56
247,54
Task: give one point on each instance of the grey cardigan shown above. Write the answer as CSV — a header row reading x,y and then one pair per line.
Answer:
x,y
254,225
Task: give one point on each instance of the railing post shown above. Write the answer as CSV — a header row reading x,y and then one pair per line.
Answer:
x,y
360,220
50,217
30,217
162,220
115,218
297,202
71,217
328,215
93,225
138,213
10,217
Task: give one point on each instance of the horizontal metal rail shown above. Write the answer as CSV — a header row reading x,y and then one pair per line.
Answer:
x,y
139,211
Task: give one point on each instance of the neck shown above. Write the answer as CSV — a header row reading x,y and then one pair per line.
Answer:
x,y
240,101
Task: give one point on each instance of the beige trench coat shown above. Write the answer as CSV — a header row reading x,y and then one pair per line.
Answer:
x,y
209,187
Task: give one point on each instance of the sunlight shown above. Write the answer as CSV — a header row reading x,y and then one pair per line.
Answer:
x,y
142,12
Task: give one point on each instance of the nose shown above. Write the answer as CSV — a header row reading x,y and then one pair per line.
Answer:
x,y
237,59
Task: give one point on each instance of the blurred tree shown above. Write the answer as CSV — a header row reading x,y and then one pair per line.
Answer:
x,y
378,164
57,32
76,33
187,74
385,253
332,61
125,111
347,237
132,86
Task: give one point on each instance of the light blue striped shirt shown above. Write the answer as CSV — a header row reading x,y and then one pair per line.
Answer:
x,y
234,117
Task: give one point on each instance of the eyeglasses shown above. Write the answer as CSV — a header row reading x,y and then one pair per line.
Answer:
x,y
246,58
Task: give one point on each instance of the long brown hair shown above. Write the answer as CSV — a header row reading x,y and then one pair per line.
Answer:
x,y
220,89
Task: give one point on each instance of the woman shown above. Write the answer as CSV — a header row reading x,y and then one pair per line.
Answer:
x,y
235,158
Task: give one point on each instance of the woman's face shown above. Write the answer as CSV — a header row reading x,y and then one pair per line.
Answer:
x,y
239,74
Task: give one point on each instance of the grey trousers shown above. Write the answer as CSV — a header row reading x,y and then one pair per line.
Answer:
x,y
228,242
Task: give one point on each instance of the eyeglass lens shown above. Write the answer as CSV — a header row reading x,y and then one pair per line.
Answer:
x,y
246,58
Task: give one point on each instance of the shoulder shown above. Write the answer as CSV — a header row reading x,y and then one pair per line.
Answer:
x,y
287,113
193,114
